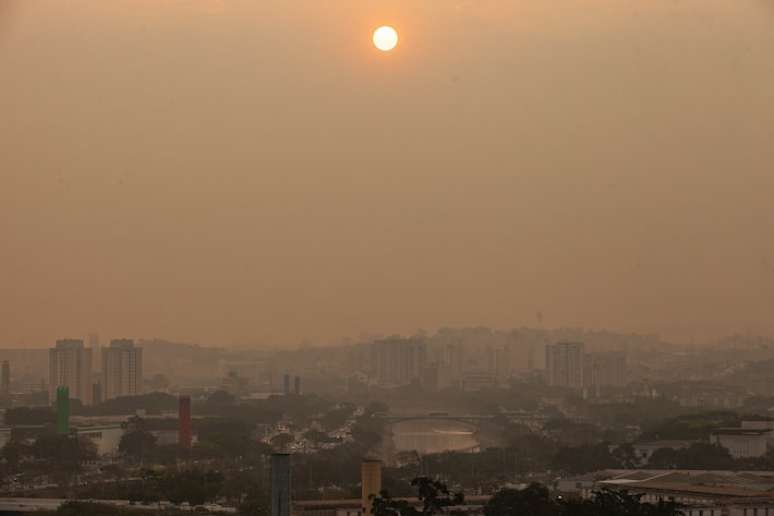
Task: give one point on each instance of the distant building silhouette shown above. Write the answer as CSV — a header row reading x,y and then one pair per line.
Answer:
x,y
5,378
121,369
70,366
564,365
297,386
286,384
398,361
96,393
95,347
607,369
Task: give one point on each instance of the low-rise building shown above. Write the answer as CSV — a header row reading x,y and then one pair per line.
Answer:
x,y
473,381
742,442
105,437
700,492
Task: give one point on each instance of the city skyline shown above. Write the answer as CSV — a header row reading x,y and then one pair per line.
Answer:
x,y
387,257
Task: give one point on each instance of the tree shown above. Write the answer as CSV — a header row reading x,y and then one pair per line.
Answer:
x,y
531,452
64,451
434,496
254,505
611,502
336,418
233,437
316,436
13,452
148,490
706,456
30,416
572,434
193,486
248,492
534,500
137,444
691,426
376,407
241,484
583,459
385,505
665,458
697,456
221,397
625,455
152,403
158,382
281,441
87,509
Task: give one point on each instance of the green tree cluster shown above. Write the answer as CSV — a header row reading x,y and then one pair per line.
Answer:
x,y
137,445
30,416
696,456
434,498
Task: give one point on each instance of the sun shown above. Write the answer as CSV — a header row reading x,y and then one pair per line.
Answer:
x,y
385,38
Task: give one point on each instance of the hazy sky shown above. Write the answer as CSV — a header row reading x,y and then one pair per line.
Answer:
x,y
233,171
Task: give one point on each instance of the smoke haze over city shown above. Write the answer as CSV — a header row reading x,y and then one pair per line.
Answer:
x,y
234,172
387,257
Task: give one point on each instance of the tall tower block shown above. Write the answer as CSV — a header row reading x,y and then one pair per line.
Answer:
x,y
297,386
280,484
70,366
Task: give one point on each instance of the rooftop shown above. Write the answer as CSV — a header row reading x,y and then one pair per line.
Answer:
x,y
717,483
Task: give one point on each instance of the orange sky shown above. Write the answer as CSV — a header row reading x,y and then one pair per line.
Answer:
x,y
241,172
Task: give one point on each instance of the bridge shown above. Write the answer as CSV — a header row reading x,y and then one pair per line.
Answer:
x,y
435,416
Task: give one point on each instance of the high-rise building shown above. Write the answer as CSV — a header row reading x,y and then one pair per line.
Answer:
x,y
96,393
286,384
564,364
70,366
280,484
297,386
398,361
95,347
121,369
5,378
184,433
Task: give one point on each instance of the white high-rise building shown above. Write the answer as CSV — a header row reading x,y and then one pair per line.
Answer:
x,y
121,369
398,361
564,364
96,356
70,366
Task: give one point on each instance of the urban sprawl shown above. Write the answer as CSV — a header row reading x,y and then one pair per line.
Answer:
x,y
471,421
